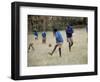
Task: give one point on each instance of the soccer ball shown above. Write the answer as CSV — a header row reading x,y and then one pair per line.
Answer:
x,y
50,45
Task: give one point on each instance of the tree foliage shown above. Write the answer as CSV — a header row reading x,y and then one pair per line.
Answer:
x,y
47,23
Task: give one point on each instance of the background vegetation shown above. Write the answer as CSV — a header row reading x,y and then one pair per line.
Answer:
x,y
47,23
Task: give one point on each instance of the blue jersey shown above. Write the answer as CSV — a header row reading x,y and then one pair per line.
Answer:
x,y
69,31
59,37
36,33
44,34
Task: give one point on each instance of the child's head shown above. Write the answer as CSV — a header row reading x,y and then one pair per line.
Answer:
x,y
54,30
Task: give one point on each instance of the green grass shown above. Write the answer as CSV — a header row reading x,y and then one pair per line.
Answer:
x,y
40,56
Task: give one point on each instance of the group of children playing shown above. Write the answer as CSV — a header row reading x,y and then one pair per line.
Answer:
x,y
58,38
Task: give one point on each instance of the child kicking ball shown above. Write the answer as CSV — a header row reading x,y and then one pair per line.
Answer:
x,y
59,41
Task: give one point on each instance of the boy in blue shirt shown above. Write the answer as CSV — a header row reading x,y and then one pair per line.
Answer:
x,y
36,35
44,37
59,41
69,32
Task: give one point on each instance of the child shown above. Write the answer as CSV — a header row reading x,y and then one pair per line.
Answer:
x,y
59,41
36,35
30,46
69,32
43,37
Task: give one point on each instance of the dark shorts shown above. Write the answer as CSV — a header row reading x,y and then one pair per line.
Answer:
x,y
69,35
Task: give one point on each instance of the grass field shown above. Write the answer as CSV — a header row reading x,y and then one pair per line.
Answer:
x,y
40,56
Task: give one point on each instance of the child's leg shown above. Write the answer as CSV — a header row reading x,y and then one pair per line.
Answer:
x,y
60,49
60,52
32,46
29,48
71,42
54,50
69,46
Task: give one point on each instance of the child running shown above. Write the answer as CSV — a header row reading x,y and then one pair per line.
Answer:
x,y
59,41
69,32
44,37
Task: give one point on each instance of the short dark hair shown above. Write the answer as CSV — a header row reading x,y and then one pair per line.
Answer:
x,y
55,30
